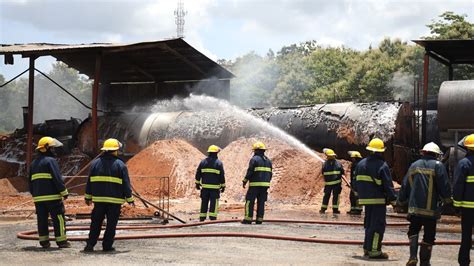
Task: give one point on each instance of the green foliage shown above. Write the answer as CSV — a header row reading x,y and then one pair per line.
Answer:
x,y
307,73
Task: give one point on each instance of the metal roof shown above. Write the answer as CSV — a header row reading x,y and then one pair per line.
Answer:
x,y
450,51
157,61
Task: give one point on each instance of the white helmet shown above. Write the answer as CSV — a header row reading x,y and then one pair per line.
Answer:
x,y
431,147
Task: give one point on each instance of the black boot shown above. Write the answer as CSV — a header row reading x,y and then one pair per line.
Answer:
x,y
425,254
413,240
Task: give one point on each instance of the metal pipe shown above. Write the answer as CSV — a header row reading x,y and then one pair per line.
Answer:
x,y
426,66
95,96
31,96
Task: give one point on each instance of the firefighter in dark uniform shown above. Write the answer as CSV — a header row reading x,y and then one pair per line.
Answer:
x,y
211,180
463,195
375,190
355,207
423,187
259,175
48,191
332,171
108,187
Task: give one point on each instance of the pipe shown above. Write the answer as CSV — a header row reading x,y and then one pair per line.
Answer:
x,y
32,234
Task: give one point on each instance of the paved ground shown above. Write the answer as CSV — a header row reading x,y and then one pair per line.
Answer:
x,y
218,250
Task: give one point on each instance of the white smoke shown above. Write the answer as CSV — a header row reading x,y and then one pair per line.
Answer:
x,y
402,86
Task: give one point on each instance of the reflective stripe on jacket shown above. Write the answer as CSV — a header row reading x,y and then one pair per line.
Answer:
x,y
373,181
424,185
45,179
463,192
259,172
210,173
108,181
332,171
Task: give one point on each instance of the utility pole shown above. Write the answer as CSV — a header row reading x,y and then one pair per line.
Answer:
x,y
179,14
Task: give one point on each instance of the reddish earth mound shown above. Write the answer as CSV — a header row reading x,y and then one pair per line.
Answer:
x,y
176,159
296,174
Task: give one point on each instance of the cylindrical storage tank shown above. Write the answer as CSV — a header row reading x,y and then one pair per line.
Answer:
x,y
455,108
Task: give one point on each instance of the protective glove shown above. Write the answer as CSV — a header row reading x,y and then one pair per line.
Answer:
x,y
198,186
244,184
88,202
65,197
222,189
132,204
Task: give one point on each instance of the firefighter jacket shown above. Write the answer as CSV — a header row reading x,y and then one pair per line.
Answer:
x,y
108,181
259,173
424,185
353,175
464,183
332,172
210,173
45,179
373,181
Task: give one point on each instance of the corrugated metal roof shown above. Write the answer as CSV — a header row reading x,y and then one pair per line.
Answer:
x,y
166,60
450,51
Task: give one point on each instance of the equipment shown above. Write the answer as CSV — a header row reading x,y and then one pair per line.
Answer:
x,y
258,146
213,148
329,152
432,147
46,142
111,145
376,145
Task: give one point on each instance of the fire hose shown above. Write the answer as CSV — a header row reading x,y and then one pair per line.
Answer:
x,y
33,234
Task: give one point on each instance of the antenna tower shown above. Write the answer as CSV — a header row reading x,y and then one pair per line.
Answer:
x,y
179,14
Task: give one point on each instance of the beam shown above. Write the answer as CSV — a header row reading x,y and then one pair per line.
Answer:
x,y
95,96
31,95
426,67
439,58
182,58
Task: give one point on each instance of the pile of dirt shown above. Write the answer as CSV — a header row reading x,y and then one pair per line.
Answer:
x,y
296,174
174,158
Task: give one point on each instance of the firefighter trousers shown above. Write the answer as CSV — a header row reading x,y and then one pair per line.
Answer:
x,y
467,221
429,228
355,207
209,203
56,210
255,193
336,191
111,211
374,224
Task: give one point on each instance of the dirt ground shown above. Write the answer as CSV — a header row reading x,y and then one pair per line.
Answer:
x,y
221,250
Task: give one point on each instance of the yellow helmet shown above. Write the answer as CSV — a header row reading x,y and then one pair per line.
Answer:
x,y
469,142
329,152
213,148
45,142
354,154
258,146
431,147
111,145
376,145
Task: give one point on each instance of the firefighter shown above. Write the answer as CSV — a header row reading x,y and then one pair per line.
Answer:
x,y
423,187
332,171
48,191
463,195
259,175
108,187
355,207
375,190
211,180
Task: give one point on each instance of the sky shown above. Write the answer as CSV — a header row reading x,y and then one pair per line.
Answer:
x,y
218,28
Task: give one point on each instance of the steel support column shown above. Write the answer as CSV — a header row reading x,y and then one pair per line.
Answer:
x,y
426,67
450,73
95,96
31,95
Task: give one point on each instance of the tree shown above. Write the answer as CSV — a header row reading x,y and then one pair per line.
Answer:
x,y
451,26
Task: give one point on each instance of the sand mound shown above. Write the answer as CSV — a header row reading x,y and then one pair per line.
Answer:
x,y
174,158
296,174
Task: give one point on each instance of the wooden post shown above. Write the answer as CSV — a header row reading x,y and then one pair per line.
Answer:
x,y
95,96
31,94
